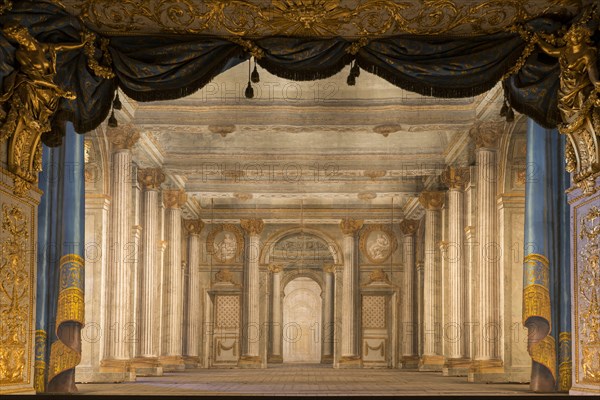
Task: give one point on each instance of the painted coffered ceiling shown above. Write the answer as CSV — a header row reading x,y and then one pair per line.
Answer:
x,y
348,18
323,146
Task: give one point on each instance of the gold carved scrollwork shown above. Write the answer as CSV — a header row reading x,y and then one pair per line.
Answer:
x,y
193,226
32,98
150,178
432,200
252,226
14,296
345,18
350,226
409,226
455,177
5,6
578,97
174,198
589,288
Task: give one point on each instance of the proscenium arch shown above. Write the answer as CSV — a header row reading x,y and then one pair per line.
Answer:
x,y
267,248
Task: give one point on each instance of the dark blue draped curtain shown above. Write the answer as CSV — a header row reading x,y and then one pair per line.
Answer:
x,y
166,67
546,279
60,265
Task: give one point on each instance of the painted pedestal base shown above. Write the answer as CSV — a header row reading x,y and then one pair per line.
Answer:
x,y
409,362
456,367
147,367
431,363
172,363
250,362
350,362
487,371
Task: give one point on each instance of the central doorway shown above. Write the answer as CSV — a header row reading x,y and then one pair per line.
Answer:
x,y
302,306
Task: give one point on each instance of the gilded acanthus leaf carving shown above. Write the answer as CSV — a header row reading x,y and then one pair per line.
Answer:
x,y
347,18
14,295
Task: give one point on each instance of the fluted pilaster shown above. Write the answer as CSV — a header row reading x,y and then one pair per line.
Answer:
x,y
328,314
487,358
150,179
409,327
350,356
120,269
172,332
457,363
276,318
193,228
251,328
432,359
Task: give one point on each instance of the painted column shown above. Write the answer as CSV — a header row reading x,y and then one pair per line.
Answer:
x,y
328,315
349,335
251,329
147,362
409,328
276,317
420,268
457,363
487,360
193,313
432,359
119,325
172,326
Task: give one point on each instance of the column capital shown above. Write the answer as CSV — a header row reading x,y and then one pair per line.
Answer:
x,y
329,268
455,177
174,198
486,134
350,226
253,226
123,137
275,268
432,200
193,227
150,178
409,226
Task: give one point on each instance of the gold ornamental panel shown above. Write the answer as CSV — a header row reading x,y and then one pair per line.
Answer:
x,y
347,18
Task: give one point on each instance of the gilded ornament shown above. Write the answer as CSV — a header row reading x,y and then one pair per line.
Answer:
x,y
578,97
275,268
193,226
14,296
375,173
350,226
252,226
588,285
5,6
564,361
32,99
174,198
432,200
378,275
345,18
21,187
455,177
225,276
150,178
409,226
123,137
486,134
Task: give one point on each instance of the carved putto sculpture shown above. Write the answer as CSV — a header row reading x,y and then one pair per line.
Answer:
x,y
579,100
30,99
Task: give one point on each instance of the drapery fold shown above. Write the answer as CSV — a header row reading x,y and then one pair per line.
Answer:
x,y
60,291
546,266
165,67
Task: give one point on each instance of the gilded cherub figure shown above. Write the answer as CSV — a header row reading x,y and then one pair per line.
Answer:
x,y
31,95
578,95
